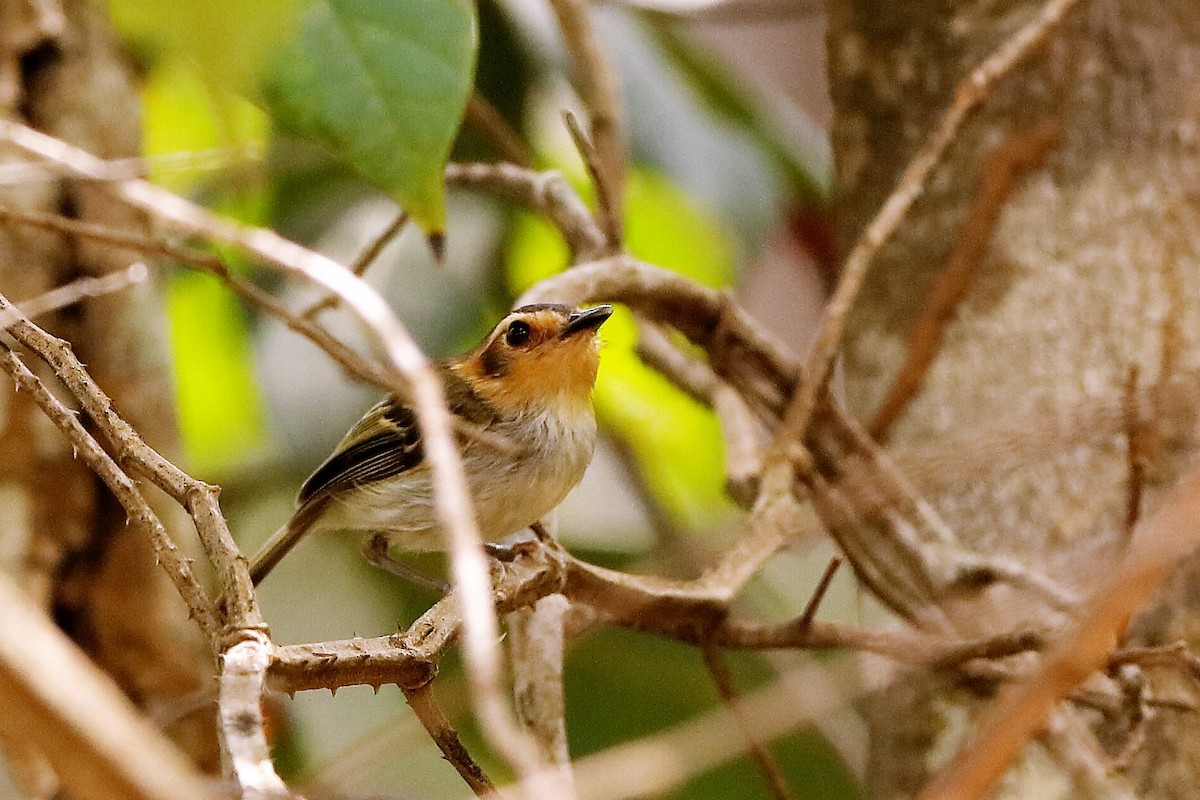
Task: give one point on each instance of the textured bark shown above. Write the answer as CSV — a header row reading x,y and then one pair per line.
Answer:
x,y
1091,270
61,534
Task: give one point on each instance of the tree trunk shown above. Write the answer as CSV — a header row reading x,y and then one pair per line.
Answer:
x,y
1087,286
61,534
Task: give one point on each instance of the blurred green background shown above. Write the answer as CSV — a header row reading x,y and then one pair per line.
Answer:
x,y
317,119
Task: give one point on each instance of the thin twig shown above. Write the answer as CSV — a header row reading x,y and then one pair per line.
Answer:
x,y
410,371
355,365
487,119
77,290
176,565
744,434
547,193
670,538
425,705
606,204
1000,172
596,81
805,623
726,12
970,92
767,764
1138,450
364,260
1176,655
240,608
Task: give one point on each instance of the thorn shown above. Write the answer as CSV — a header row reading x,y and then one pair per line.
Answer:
x,y
437,245
333,691
376,686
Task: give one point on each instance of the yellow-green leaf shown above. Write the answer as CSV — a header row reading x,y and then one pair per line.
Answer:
x,y
220,411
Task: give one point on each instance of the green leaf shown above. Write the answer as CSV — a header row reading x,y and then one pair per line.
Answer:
x,y
384,86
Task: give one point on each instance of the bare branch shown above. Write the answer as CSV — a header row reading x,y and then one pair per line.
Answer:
x,y
1001,170
77,290
487,119
547,193
608,206
596,81
536,649
410,372
365,259
243,670
177,567
768,765
805,623
240,609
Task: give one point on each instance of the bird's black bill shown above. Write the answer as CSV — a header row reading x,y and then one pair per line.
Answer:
x,y
587,319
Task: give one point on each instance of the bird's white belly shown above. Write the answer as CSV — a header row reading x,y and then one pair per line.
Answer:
x,y
508,494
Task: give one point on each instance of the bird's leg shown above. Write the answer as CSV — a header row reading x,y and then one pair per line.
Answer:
x,y
375,550
543,535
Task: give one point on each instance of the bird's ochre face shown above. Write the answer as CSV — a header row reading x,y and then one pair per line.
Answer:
x,y
539,356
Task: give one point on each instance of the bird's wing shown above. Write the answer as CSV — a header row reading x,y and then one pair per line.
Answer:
x,y
384,443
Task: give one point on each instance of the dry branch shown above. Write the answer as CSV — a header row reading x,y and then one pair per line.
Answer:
x,y
596,81
767,764
177,567
425,705
548,193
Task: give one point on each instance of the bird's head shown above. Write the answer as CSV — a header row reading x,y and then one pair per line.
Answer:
x,y
538,356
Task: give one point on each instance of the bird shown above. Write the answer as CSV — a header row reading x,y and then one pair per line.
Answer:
x,y
528,381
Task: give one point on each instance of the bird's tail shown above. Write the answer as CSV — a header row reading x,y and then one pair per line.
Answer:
x,y
283,540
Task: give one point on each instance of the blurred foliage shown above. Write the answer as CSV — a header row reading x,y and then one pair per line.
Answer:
x,y
381,87
622,685
725,96
220,410
228,41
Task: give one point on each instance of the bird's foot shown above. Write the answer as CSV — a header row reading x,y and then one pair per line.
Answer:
x,y
375,550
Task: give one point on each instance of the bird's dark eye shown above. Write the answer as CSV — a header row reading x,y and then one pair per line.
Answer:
x,y
517,334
